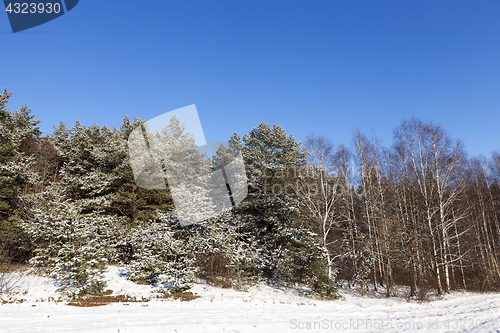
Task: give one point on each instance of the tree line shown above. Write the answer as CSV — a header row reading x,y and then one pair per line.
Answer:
x,y
419,213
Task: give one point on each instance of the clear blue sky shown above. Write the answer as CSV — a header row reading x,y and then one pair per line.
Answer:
x,y
322,67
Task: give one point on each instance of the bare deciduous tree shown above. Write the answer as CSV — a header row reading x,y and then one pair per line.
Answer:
x,y
319,190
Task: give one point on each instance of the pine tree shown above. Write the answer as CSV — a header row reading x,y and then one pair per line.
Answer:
x,y
92,157
70,247
171,154
288,252
158,258
16,172
138,203
15,166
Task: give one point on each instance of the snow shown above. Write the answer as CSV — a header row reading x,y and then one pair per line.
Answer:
x,y
260,309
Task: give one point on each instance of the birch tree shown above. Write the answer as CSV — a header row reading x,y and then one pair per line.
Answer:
x,y
320,193
434,160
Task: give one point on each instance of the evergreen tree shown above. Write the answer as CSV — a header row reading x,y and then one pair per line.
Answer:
x,y
92,158
15,171
159,258
70,247
270,216
138,203
15,166
96,172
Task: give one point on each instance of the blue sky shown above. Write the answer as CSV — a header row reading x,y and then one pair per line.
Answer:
x,y
324,67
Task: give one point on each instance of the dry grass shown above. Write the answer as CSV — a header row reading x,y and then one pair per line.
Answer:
x,y
141,282
215,269
11,267
104,299
10,276
184,296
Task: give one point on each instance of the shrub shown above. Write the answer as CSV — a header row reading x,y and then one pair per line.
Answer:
x,y
9,279
215,269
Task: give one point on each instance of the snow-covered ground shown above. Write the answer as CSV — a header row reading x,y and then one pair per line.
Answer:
x,y
260,309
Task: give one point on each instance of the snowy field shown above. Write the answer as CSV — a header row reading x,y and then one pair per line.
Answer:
x,y
260,309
